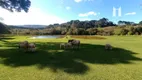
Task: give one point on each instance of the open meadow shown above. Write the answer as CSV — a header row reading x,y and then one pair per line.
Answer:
x,y
90,62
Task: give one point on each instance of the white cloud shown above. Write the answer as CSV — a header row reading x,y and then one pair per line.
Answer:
x,y
87,14
68,8
131,13
82,0
77,1
88,0
34,16
1,19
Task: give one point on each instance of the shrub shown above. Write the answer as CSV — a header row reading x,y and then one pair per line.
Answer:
x,y
117,31
108,31
124,31
130,33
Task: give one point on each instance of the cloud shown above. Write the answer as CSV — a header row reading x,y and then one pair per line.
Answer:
x,y
1,19
131,13
34,16
88,0
82,0
88,14
68,8
77,1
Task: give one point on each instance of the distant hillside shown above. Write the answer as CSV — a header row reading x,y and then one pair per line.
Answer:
x,y
28,26
76,27
3,28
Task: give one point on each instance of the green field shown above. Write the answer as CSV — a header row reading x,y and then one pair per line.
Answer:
x,y
90,62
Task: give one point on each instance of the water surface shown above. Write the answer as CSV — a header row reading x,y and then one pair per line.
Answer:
x,y
46,37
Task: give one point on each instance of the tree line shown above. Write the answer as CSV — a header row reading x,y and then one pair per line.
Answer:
x,y
93,27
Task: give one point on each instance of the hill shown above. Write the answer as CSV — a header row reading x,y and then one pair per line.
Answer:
x,y
3,28
27,26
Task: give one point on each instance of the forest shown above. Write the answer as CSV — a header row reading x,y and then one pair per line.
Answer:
x,y
75,27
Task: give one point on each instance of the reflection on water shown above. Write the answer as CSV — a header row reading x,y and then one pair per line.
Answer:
x,y
44,37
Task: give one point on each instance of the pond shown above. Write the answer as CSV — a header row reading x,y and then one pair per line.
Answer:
x,y
46,37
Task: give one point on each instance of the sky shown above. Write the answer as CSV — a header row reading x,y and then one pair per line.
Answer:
x,y
45,12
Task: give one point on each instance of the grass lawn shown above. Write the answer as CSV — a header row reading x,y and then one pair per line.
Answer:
x,y
90,62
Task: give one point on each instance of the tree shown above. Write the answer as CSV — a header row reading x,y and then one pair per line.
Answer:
x,y
124,31
138,30
92,31
103,22
140,22
3,28
15,5
131,30
125,23
81,31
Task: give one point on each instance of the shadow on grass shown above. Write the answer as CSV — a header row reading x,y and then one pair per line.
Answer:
x,y
49,55
4,39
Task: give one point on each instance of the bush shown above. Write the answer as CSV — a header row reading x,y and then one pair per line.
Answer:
x,y
138,30
124,31
117,31
92,31
108,31
130,33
